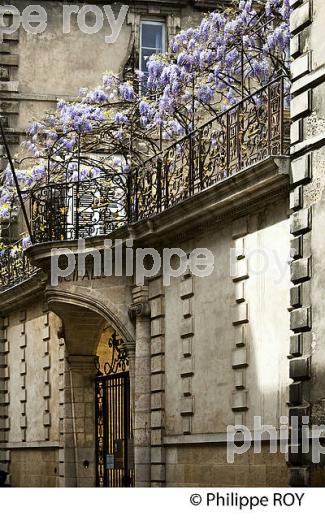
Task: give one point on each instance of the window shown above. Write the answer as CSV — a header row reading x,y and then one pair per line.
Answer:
x,y
152,41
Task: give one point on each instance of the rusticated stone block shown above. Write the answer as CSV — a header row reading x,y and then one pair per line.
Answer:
x,y
23,421
295,46
22,341
9,107
187,405
187,346
187,366
300,368
296,345
4,423
300,319
300,66
23,395
240,335
4,74
157,307
47,391
295,296
299,476
239,379
157,419
186,386
240,270
239,357
46,419
46,362
300,222
9,86
301,270
46,333
296,132
239,227
300,17
158,345
158,455
4,48
240,292
187,287
296,248
239,400
157,437
157,364
10,60
187,308
240,313
157,327
240,248
301,170
295,393
157,401
158,472
298,415
187,424
301,105
187,327
157,382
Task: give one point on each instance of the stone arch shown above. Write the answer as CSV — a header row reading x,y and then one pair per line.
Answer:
x,y
84,319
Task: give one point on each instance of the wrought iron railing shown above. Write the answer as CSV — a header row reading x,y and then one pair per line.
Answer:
x,y
248,132
251,130
15,266
72,210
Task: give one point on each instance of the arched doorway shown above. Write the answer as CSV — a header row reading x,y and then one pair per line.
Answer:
x,y
114,439
97,445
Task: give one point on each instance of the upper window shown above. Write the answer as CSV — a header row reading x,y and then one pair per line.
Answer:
x,y
152,41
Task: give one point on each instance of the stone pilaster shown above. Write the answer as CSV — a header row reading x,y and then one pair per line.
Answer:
x,y
46,376
240,320
140,311
4,396
300,228
23,373
63,369
187,355
78,425
157,401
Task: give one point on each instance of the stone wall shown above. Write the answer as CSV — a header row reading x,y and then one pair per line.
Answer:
x,y
307,391
30,390
207,466
219,351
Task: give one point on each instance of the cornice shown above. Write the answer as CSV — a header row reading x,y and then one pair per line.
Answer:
x,y
251,189
24,292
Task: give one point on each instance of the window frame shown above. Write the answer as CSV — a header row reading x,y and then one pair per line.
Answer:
x,y
148,21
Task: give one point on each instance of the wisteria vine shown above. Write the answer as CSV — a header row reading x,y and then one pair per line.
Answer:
x,y
113,128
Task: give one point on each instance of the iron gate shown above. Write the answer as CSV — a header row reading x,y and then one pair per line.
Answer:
x,y
114,447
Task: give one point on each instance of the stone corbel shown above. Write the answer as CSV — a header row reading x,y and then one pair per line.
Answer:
x,y
137,310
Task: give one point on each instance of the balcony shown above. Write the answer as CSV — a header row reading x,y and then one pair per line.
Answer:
x,y
248,133
15,266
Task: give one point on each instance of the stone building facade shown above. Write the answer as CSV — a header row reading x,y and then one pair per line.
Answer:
x,y
202,353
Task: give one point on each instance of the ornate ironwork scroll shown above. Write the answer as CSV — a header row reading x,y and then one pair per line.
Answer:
x,y
15,267
118,357
73,210
248,132
245,134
